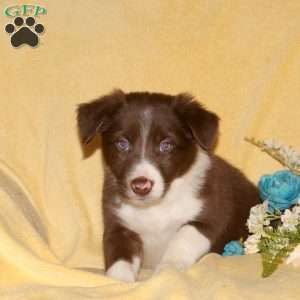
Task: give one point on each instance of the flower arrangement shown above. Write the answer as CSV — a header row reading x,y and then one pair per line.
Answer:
x,y
274,225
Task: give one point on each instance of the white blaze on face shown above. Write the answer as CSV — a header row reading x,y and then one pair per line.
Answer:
x,y
145,168
145,123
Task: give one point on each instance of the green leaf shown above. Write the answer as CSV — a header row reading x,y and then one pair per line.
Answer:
x,y
276,247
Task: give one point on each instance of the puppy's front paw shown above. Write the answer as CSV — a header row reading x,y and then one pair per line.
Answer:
x,y
187,246
124,270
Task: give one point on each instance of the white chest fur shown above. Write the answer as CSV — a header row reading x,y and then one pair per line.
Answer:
x,y
156,225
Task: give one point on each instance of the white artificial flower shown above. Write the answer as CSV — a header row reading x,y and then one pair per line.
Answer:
x,y
251,244
296,209
272,144
270,228
294,157
289,220
290,156
256,220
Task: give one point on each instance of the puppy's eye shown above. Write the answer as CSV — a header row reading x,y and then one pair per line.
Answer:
x,y
122,145
166,146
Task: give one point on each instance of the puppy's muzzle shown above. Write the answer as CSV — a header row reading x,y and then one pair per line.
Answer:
x,y
141,186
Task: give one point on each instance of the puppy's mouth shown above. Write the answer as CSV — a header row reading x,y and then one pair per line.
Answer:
x,y
142,202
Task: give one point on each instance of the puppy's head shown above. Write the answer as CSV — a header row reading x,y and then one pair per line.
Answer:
x,y
148,139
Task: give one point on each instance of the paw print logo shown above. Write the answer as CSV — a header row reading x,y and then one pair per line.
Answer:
x,y
24,33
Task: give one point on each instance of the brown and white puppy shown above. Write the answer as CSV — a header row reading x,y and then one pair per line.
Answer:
x,y
167,199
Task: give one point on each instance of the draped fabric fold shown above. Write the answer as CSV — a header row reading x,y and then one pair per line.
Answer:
x,y
241,59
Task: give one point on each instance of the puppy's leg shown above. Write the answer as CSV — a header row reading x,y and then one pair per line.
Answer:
x,y
187,246
122,252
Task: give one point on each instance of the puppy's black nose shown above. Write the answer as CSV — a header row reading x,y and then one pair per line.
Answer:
x,y
141,186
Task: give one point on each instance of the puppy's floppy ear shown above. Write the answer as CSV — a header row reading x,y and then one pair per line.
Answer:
x,y
202,123
95,116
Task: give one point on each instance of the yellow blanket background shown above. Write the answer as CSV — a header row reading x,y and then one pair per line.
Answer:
x,y
240,58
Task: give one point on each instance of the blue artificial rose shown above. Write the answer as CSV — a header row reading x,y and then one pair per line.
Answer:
x,y
233,248
281,190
